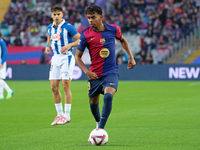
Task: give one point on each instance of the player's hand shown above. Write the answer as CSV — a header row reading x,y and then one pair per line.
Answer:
x,y
48,51
1,66
91,75
131,63
65,48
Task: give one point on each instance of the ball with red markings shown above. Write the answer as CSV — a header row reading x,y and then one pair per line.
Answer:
x,y
98,137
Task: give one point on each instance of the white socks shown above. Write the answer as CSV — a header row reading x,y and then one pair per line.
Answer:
x,y
1,88
3,85
59,110
67,110
6,87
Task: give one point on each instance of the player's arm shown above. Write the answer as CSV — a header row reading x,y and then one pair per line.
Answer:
x,y
47,49
73,44
4,53
79,62
125,45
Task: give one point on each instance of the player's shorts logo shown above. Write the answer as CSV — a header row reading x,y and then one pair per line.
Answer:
x,y
55,37
102,41
104,53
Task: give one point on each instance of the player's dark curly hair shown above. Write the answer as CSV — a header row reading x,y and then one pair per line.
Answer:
x,y
93,9
56,8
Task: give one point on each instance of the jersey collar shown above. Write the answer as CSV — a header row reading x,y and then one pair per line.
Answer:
x,y
63,21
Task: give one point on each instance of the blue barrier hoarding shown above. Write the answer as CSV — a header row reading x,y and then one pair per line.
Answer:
x,y
160,72
139,72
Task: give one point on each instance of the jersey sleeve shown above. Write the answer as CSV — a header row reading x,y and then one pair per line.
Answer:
x,y
118,33
48,30
4,52
72,30
83,43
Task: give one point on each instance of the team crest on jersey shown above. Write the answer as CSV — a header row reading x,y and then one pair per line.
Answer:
x,y
104,53
102,41
56,37
60,30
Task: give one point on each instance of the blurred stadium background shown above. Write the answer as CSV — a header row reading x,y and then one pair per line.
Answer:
x,y
147,115
158,31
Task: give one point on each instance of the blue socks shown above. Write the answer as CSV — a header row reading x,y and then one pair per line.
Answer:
x,y
95,111
107,106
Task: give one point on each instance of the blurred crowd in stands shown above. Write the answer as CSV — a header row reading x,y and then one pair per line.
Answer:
x,y
162,22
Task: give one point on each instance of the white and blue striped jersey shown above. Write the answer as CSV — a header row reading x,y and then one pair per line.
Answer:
x,y
3,52
61,35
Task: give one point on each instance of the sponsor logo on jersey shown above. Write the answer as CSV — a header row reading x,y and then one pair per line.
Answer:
x,y
104,53
102,41
92,38
56,37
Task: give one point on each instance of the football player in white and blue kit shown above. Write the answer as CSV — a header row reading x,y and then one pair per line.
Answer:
x,y
3,84
60,39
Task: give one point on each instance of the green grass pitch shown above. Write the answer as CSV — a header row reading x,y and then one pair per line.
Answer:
x,y
146,115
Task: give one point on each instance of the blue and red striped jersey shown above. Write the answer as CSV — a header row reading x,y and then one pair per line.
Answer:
x,y
101,46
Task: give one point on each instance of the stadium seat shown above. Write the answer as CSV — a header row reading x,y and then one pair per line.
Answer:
x,y
43,29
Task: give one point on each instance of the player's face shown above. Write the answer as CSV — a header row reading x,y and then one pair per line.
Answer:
x,y
57,16
94,20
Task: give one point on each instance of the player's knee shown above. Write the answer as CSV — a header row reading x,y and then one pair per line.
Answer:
x,y
108,97
54,89
65,88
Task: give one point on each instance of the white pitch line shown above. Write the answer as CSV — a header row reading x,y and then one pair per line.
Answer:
x,y
192,84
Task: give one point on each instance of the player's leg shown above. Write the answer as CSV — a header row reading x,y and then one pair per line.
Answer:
x,y
66,76
68,97
94,107
54,77
107,106
2,77
1,89
8,89
94,90
110,87
55,90
57,100
68,101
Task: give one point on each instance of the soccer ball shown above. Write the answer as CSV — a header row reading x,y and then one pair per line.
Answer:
x,y
98,137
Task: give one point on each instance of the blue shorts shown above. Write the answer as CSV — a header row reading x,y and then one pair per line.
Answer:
x,y
97,86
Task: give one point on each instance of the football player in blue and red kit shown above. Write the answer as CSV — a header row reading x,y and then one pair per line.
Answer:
x,y
99,38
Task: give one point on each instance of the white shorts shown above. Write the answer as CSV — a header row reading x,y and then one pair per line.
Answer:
x,y
62,67
3,71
